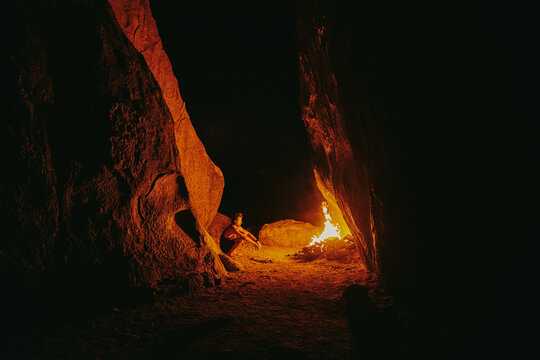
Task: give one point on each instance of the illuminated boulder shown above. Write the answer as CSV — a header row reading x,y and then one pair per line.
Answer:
x,y
288,233
97,194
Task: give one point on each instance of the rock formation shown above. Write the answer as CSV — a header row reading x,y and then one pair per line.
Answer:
x,y
288,233
373,159
341,170
420,138
204,180
218,225
229,263
100,200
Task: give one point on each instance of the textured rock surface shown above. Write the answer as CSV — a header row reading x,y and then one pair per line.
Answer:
x,y
409,119
341,171
218,225
204,180
229,263
288,233
95,201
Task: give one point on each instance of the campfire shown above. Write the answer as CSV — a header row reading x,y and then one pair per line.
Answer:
x,y
330,244
330,230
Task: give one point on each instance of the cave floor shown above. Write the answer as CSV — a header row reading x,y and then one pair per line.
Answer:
x,y
275,308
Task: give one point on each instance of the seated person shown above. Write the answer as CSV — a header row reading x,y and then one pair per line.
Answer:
x,y
233,236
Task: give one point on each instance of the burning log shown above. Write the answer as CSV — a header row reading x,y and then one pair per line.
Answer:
x,y
342,250
329,244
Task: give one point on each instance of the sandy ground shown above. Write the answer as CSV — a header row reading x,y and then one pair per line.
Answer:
x,y
276,308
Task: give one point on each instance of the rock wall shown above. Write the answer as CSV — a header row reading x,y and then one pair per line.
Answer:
x,y
383,154
341,170
204,180
96,203
420,133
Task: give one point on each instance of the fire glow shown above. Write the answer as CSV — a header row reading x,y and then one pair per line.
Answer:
x,y
331,230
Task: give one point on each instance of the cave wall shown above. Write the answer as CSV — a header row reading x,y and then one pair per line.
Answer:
x,y
98,202
383,152
378,116
420,117
341,160
204,179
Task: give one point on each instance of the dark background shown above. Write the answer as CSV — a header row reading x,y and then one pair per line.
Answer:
x,y
237,70
455,87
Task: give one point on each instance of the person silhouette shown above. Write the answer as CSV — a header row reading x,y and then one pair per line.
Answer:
x,y
235,234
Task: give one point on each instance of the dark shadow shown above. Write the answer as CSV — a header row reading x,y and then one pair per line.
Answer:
x,y
182,187
174,345
375,331
186,221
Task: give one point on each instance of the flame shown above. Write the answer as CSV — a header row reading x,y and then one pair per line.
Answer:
x,y
330,230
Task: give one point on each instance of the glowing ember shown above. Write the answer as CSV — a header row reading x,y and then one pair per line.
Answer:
x,y
330,230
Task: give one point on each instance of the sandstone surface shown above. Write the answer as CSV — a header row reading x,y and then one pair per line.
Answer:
x,y
204,180
343,133
229,263
288,233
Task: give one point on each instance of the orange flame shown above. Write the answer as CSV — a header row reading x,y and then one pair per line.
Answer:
x,y
330,230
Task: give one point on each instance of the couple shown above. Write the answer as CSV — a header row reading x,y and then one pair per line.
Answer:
x,y
233,236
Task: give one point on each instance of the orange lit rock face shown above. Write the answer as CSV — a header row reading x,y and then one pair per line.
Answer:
x,y
204,180
341,169
95,194
288,233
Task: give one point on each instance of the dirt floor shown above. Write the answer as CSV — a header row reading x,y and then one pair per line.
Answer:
x,y
276,308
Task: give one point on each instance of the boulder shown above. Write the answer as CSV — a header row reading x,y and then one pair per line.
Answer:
x,y
204,180
96,201
229,263
288,233
218,225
